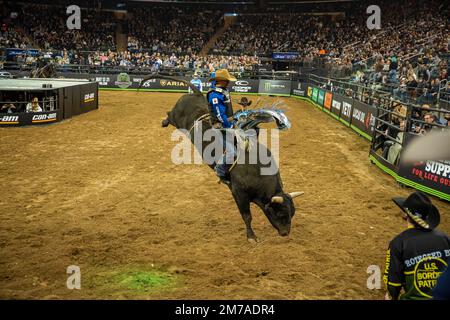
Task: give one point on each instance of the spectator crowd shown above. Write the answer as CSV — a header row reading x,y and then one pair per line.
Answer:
x,y
409,54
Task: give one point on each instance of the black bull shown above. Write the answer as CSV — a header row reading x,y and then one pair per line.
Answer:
x,y
247,184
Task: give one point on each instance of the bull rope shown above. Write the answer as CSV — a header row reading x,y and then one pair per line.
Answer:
x,y
246,143
200,119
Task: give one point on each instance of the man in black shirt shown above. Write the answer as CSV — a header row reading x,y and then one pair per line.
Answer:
x,y
417,256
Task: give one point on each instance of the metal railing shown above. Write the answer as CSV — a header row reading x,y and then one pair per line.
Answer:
x,y
16,106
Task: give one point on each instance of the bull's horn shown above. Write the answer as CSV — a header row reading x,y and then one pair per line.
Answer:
x,y
295,194
277,199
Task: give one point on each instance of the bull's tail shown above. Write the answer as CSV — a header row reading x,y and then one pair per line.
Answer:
x,y
158,76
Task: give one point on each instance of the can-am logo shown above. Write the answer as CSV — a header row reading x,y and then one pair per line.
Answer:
x,y
9,119
47,117
89,97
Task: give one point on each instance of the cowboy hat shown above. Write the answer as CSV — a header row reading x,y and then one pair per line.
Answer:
x,y
244,102
223,74
420,210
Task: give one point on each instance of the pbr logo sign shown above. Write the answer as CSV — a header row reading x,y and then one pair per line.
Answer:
x,y
123,80
9,120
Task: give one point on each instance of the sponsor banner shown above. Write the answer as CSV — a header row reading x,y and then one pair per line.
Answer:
x,y
299,89
363,117
125,81
336,105
315,94
88,97
310,91
275,87
9,119
346,110
22,119
328,100
242,86
321,97
160,84
431,174
44,117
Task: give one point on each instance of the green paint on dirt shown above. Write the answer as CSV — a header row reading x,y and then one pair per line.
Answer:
x,y
145,280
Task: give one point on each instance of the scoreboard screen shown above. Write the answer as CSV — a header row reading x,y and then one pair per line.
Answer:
x,y
285,55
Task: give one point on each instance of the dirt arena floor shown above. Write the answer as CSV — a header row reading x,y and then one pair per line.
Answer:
x,y
100,191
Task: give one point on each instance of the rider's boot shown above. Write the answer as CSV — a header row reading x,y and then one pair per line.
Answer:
x,y
223,174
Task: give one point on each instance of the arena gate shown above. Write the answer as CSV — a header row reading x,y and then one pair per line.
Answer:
x,y
58,98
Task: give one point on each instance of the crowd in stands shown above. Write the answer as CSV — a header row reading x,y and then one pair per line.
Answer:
x,y
174,29
406,54
156,61
46,26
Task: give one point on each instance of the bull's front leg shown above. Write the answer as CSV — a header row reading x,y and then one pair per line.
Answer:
x,y
244,208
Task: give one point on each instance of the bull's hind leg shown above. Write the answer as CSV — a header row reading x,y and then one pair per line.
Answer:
x,y
244,208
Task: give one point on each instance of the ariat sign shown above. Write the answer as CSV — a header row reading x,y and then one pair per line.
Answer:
x,y
48,117
170,83
9,120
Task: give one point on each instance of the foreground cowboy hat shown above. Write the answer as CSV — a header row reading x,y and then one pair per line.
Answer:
x,y
223,74
244,102
420,209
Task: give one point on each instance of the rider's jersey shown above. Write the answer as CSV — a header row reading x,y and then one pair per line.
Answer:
x,y
220,107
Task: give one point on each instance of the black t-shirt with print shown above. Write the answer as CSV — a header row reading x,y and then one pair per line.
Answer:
x,y
414,261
